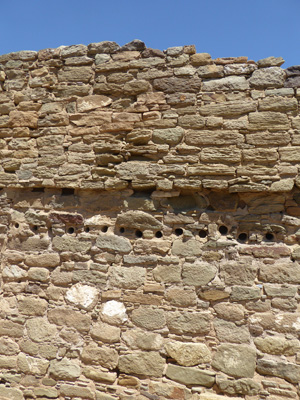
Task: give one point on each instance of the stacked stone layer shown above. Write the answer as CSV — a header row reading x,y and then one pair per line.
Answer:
x,y
149,225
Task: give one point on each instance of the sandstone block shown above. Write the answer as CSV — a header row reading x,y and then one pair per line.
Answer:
x,y
184,249
184,322
270,120
228,108
138,220
40,330
233,272
32,306
42,260
171,136
245,386
105,356
228,83
70,318
198,273
98,375
105,333
227,331
181,297
271,77
280,272
176,84
169,273
142,340
69,243
129,278
142,363
38,274
243,293
230,312
148,318
113,243
281,369
277,345
64,369
190,376
235,360
188,354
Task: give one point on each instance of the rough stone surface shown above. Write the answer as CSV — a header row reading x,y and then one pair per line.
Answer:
x,y
235,360
149,225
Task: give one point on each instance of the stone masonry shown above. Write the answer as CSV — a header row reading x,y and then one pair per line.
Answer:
x,y
149,225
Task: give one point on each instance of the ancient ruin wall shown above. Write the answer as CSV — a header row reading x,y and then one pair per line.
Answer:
x,y
150,225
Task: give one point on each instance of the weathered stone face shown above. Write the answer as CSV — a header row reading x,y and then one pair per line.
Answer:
x,y
149,225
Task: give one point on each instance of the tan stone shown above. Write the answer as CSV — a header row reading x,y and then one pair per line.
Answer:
x,y
188,354
142,363
103,355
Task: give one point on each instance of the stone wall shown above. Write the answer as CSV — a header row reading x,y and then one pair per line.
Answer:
x,y
150,225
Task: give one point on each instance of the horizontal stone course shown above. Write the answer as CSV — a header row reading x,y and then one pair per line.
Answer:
x,y
149,224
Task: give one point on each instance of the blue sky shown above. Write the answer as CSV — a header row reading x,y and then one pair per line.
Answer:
x,y
223,28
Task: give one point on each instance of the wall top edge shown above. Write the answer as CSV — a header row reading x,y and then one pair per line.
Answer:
x,y
111,47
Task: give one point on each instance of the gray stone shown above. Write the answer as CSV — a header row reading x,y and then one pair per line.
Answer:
x,y
169,136
138,220
169,273
281,369
142,363
187,248
142,340
72,244
113,243
148,318
277,345
198,274
184,322
271,77
128,278
280,272
243,293
270,62
235,360
103,47
190,376
64,369
228,332
39,330
105,333
228,83
134,45
245,386
100,355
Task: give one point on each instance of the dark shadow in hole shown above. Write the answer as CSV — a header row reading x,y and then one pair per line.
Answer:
x,y
105,229
223,230
158,234
38,190
86,229
71,230
243,237
138,234
67,192
178,231
203,233
269,236
122,229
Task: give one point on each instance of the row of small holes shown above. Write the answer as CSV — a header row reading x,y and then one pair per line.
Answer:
x,y
178,232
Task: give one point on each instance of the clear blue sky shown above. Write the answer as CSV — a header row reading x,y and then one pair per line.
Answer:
x,y
223,28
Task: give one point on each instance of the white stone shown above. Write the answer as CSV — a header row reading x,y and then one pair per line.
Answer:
x,y
114,312
82,295
13,272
